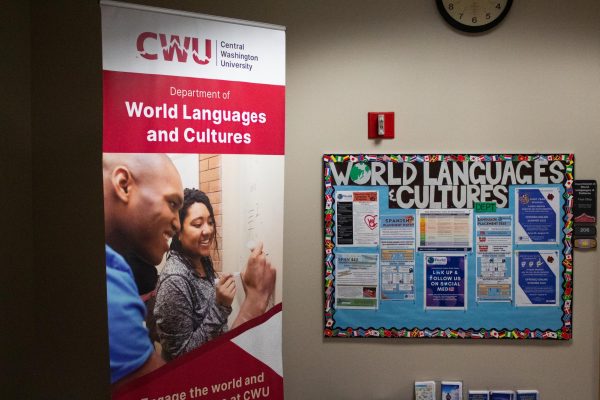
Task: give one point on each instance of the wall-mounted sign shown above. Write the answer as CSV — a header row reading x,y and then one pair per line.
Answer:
x,y
584,205
452,246
584,212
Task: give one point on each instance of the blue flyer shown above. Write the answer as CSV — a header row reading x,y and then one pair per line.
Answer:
x,y
451,390
479,395
502,395
445,281
538,213
528,395
537,278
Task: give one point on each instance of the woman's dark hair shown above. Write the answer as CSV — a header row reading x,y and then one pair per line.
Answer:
x,y
191,196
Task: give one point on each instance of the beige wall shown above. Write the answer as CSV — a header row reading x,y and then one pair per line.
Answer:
x,y
532,85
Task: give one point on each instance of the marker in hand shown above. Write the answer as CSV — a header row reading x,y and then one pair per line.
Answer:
x,y
251,245
234,274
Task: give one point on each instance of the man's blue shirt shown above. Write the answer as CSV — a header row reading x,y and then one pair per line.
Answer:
x,y
129,343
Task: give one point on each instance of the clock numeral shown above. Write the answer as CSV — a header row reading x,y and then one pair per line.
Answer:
x,y
473,15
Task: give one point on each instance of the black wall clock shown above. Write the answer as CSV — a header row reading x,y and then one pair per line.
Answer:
x,y
473,15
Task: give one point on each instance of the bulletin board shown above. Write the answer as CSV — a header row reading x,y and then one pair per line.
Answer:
x,y
448,245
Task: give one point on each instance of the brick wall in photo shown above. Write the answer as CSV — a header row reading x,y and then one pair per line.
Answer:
x,y
210,183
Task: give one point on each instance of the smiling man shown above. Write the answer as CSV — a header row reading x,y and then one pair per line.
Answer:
x,y
142,197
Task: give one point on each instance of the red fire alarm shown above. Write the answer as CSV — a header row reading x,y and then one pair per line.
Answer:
x,y
381,125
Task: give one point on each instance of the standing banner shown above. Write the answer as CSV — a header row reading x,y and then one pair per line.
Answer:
x,y
193,158
467,246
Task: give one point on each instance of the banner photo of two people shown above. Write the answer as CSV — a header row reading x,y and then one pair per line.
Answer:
x,y
193,169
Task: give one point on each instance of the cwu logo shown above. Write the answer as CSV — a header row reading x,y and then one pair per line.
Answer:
x,y
153,46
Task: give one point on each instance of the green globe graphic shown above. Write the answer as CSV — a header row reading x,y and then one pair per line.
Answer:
x,y
360,173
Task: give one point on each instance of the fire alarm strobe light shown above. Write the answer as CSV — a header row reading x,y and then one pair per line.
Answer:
x,y
381,125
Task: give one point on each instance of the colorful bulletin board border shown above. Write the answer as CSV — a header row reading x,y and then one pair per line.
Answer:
x,y
331,329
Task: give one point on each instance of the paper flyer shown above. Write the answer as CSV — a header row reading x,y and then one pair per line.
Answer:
x,y
444,230
425,390
494,257
537,215
397,262
357,280
445,281
451,390
193,157
479,395
524,394
537,278
357,218
502,395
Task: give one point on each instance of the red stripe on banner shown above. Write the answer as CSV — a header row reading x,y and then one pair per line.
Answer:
x,y
219,362
146,113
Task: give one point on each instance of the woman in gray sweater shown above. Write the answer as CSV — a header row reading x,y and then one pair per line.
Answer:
x,y
192,304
